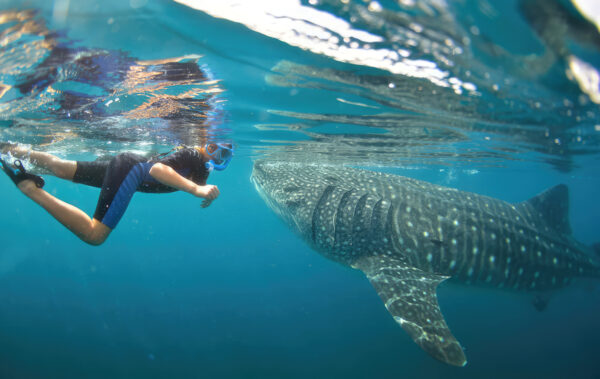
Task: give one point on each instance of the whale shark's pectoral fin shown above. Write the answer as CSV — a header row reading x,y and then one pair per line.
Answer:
x,y
409,295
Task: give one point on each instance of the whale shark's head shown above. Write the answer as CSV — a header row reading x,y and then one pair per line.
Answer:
x,y
290,189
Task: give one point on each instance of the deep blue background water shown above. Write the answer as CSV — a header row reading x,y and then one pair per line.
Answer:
x,y
229,291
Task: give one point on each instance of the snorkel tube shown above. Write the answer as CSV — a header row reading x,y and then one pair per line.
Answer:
x,y
221,157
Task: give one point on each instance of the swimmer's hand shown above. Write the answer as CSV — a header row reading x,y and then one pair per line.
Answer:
x,y
209,192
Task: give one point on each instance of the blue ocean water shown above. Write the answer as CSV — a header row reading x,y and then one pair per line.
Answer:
x,y
230,291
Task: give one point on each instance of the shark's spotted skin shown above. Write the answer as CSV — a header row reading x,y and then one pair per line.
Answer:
x,y
407,236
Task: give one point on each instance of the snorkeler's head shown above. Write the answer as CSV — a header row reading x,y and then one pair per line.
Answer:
x,y
220,155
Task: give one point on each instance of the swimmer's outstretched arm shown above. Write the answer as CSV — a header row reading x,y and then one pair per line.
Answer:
x,y
166,175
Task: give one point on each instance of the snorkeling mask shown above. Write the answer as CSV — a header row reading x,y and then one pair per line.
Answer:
x,y
221,156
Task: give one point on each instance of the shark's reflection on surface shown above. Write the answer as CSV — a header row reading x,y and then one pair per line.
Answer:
x,y
56,90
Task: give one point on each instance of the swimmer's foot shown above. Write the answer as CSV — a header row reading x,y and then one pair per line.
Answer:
x,y
17,150
18,174
5,147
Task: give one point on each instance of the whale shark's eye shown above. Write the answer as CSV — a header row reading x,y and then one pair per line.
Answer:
x,y
293,203
291,188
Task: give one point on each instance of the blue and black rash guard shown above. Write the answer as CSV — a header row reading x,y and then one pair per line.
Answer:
x,y
126,173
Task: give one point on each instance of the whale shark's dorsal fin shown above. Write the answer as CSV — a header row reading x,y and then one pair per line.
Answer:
x,y
553,206
409,294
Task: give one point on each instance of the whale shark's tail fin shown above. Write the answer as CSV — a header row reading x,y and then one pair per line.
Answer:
x,y
409,295
596,248
553,206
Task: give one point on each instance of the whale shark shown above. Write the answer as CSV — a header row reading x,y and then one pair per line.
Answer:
x,y
408,236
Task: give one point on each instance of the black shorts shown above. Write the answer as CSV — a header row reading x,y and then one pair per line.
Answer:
x,y
118,178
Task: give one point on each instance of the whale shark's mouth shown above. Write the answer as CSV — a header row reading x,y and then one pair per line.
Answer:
x,y
272,182
255,182
257,178
259,188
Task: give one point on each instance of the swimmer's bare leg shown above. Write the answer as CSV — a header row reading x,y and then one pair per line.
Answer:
x,y
61,168
87,229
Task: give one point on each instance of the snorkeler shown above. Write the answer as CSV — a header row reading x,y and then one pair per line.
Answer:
x,y
185,169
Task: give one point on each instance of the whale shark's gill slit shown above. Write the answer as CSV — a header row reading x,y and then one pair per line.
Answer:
x,y
390,233
376,224
317,211
358,224
342,223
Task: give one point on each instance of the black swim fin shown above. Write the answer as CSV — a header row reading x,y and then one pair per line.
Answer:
x,y
540,302
17,173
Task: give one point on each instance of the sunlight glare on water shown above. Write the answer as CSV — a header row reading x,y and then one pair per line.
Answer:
x,y
322,33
